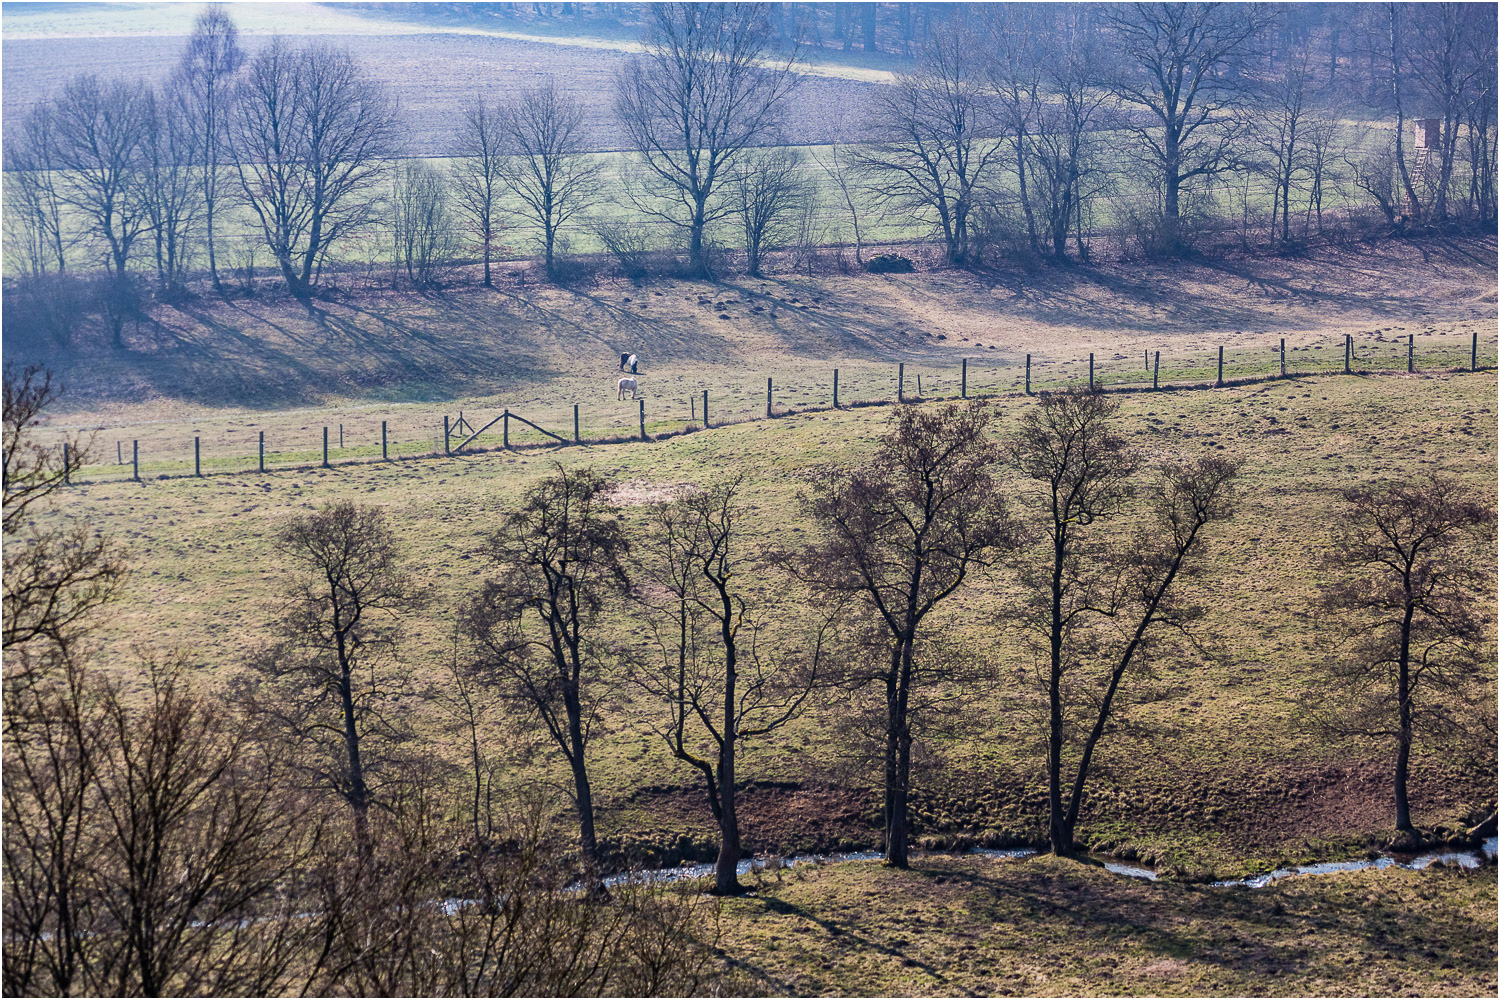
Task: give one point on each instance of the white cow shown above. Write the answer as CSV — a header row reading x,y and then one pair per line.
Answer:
x,y
628,382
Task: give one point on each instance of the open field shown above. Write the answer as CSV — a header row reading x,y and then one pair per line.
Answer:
x,y
1215,774
226,371
1045,927
433,76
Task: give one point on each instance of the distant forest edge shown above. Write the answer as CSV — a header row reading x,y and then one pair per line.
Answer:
x,y
1016,130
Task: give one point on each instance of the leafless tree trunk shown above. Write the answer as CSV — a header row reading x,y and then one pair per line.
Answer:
x,y
548,169
901,536
559,558
1406,561
720,673
311,137
708,86
206,78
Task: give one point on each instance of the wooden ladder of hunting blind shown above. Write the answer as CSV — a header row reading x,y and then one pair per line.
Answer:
x,y
504,419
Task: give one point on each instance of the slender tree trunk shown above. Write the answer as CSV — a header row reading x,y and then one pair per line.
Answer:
x,y
1057,834
359,792
1403,732
892,756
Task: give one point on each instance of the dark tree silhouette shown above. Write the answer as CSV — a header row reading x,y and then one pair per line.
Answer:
x,y
901,535
559,558
1407,561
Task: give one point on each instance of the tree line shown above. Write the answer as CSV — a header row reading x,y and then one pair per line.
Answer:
x,y
1019,128
294,829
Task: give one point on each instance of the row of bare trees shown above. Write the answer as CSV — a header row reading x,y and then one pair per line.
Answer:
x,y
162,836
1015,125
301,835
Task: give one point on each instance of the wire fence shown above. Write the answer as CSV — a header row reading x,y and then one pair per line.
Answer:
x,y
369,436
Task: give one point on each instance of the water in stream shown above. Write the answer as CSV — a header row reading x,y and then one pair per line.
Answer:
x,y
1448,856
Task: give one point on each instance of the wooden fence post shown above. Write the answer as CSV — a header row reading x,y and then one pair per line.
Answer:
x,y
384,454
119,455
135,460
705,409
262,451
768,395
1091,371
1028,374
1283,357
835,388
1348,350
1474,352
1156,372
446,451
67,461
964,385
505,428
325,446
1146,356
576,438
1411,342
919,385
1220,380
900,382
341,435
643,417
197,466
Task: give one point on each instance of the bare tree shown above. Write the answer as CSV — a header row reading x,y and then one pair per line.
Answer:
x,y
932,156
35,221
311,136
99,130
839,162
1090,607
766,189
1015,34
172,188
549,168
1481,133
55,575
326,686
1063,144
720,673
479,176
1280,132
1179,65
708,86
421,223
560,557
205,81
900,536
1407,561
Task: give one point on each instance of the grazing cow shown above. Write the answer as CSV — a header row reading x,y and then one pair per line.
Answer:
x,y
626,383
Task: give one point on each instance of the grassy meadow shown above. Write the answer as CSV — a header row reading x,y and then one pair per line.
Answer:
x,y
1215,773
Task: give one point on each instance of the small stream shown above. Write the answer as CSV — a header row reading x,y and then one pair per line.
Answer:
x,y
1416,862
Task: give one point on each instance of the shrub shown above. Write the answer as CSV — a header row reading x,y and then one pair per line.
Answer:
x,y
890,263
